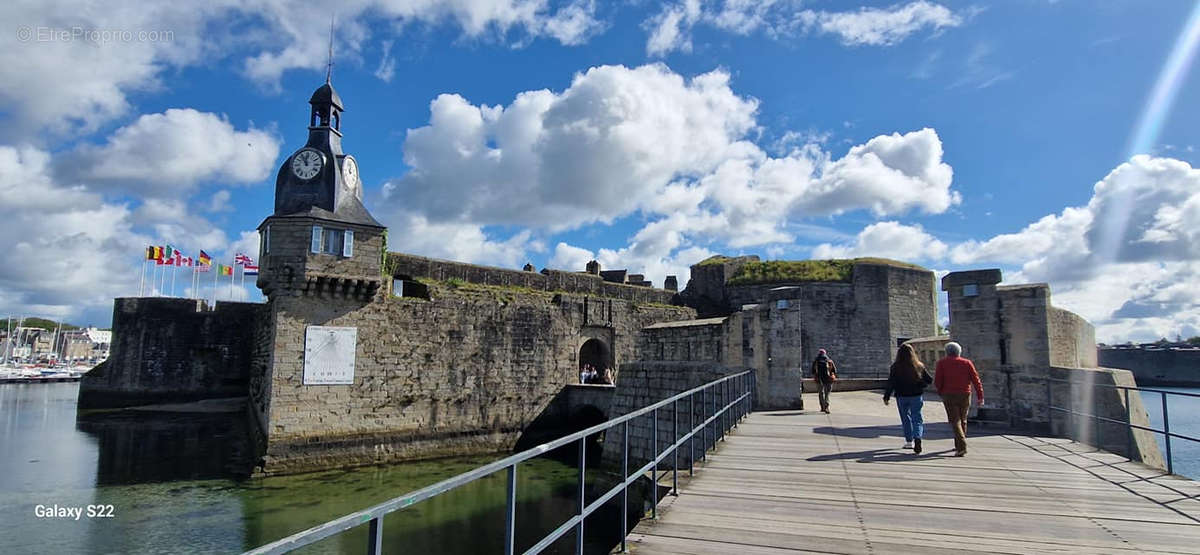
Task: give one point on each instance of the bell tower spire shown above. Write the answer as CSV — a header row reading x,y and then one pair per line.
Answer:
x,y
329,64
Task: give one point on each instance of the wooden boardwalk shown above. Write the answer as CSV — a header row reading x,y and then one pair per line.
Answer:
x,y
807,482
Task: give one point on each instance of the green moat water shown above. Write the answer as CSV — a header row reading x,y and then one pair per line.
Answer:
x,y
164,502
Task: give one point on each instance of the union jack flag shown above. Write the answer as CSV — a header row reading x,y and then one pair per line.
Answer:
x,y
243,259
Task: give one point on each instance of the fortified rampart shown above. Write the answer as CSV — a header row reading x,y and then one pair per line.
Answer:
x,y
859,316
464,371
173,350
1020,343
407,267
1178,367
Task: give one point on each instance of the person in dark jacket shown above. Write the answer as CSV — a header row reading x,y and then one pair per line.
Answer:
x,y
907,380
824,371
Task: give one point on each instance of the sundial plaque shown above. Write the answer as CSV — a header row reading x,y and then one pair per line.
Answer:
x,y
329,355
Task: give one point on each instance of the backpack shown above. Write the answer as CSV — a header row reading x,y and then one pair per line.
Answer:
x,y
822,371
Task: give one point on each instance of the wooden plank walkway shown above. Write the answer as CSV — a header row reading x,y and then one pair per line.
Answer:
x,y
807,482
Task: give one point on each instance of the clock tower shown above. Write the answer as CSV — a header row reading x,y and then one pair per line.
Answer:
x,y
321,240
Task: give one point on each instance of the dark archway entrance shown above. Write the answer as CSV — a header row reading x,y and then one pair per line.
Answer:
x,y
594,353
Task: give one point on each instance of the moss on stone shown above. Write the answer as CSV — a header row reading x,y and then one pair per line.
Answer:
x,y
714,260
790,271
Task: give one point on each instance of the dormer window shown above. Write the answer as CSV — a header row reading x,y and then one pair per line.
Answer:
x,y
339,242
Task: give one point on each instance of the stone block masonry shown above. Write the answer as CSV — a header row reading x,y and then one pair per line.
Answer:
x,y
174,350
409,266
462,372
645,383
860,323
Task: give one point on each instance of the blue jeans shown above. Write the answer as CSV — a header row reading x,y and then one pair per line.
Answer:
x,y
910,416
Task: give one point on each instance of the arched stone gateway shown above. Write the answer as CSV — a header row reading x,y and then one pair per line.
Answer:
x,y
596,354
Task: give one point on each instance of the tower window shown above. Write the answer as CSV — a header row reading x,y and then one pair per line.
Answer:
x,y
970,290
332,241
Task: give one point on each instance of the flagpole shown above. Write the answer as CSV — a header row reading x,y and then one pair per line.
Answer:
x,y
232,270
142,285
216,271
174,273
162,280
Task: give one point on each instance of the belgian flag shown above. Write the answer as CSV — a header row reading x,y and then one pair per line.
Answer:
x,y
154,253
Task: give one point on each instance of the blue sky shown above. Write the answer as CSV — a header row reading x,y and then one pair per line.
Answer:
x,y
647,135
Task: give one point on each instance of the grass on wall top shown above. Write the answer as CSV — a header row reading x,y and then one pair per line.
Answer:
x,y
791,271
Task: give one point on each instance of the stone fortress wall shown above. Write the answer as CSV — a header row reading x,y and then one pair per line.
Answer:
x,y
407,266
1152,365
463,368
168,350
1017,340
859,322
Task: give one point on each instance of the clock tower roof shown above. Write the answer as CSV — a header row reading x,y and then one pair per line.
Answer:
x,y
325,94
319,180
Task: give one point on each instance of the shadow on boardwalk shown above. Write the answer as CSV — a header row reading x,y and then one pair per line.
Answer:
x,y
803,481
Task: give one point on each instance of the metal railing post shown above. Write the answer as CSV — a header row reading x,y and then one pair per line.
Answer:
x,y
719,421
675,449
510,512
654,467
582,494
713,424
625,488
375,536
1167,432
704,426
1128,428
692,434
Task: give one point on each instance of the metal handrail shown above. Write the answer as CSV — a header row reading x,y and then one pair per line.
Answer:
x,y
720,419
1128,422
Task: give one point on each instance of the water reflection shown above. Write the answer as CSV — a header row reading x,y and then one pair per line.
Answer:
x,y
176,483
137,447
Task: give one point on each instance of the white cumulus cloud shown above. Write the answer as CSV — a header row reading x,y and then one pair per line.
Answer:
x,y
170,152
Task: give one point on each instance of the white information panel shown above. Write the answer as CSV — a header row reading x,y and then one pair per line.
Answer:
x,y
329,355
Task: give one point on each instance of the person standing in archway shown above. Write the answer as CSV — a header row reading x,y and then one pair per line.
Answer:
x,y
825,373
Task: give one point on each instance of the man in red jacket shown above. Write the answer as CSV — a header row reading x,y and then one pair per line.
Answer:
x,y
954,379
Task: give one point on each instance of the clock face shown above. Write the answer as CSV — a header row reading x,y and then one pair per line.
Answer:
x,y
307,163
350,171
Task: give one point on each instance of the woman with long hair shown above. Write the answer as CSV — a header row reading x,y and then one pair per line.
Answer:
x,y
907,380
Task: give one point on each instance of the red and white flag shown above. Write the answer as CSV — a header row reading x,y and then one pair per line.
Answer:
x,y
242,259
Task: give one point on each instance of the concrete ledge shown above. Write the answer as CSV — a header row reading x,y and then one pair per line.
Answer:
x,y
810,386
295,455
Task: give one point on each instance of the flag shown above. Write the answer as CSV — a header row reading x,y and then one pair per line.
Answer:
x,y
224,270
187,261
153,253
168,252
170,261
205,259
203,267
178,258
242,259
249,270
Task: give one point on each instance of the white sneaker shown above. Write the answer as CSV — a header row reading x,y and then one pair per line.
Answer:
x,y
908,445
